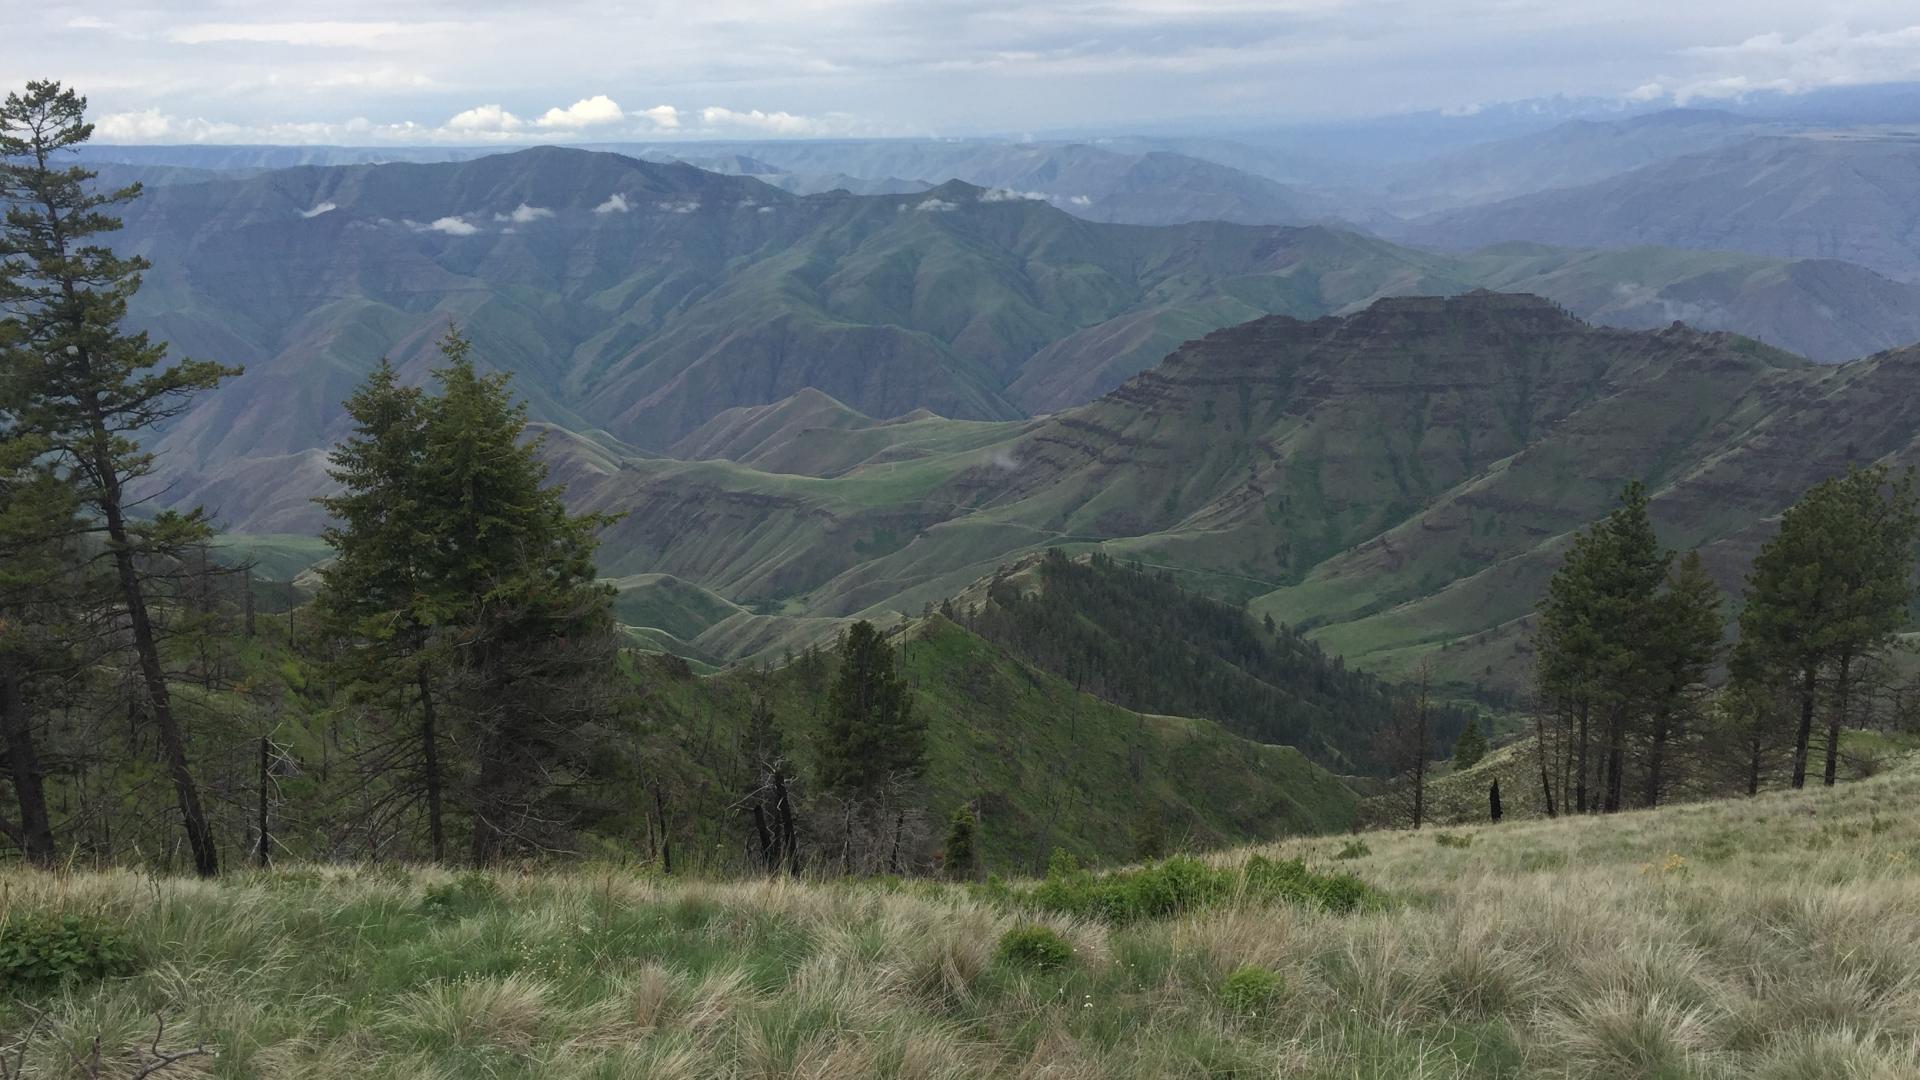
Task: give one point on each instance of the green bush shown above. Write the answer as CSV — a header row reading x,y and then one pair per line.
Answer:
x,y
468,894
1035,948
1355,849
1183,884
37,952
1446,839
1251,989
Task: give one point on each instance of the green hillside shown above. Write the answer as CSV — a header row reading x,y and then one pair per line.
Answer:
x,y
1044,765
1136,638
1399,481
644,300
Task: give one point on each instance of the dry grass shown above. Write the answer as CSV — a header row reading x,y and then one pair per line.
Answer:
x,y
1775,938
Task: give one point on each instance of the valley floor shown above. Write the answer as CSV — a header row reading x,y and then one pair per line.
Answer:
x,y
1774,938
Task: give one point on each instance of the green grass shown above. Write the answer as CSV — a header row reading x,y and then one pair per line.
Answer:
x,y
1776,938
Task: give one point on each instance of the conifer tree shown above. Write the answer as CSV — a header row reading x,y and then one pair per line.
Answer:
x,y
962,857
87,387
38,521
872,735
373,591
462,575
1828,592
1470,747
1686,640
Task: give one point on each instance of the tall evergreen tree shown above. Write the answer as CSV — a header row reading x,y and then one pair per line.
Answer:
x,y
462,573
1828,592
1596,633
87,387
38,565
373,591
872,735
1470,747
1686,640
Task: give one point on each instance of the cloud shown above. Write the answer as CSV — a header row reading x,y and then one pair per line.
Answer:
x,y
1080,200
1828,56
331,34
323,208
615,204
523,214
485,120
680,206
587,112
937,205
772,123
993,195
453,226
665,117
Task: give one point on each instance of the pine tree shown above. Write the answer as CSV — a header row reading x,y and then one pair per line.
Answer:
x,y
1828,592
1596,631
962,857
1686,640
38,567
461,575
512,572
1470,747
872,735
373,592
89,389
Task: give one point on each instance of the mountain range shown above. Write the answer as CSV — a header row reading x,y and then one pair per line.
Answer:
x,y
1400,480
637,301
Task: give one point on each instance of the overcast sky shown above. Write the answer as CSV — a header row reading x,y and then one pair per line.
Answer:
x,y
361,71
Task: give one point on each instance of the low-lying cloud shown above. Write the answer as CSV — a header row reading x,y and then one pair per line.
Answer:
x,y
615,204
522,214
452,226
323,208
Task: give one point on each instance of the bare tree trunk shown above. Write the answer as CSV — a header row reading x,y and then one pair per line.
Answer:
x,y
783,807
1753,767
769,856
430,766
1657,756
1838,715
1805,733
1540,757
1580,764
173,746
1616,757
35,830
265,855
666,838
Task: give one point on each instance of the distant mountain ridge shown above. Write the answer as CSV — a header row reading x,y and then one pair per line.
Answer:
x,y
1401,480
641,300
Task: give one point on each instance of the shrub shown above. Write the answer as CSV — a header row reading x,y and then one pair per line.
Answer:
x,y
1035,948
1183,884
43,951
465,895
1355,849
1251,989
1451,840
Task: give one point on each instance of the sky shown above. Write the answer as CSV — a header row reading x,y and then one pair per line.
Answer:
x,y
363,72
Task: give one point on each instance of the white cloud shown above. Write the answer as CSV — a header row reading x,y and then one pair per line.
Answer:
x,y
524,214
587,112
1827,56
88,22
992,195
453,226
333,34
680,206
1080,200
665,117
937,205
772,123
318,210
485,120
615,204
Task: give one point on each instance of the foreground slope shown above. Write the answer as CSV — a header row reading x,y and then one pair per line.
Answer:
x,y
1776,938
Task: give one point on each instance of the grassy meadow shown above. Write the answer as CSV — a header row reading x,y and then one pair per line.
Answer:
x,y
1773,938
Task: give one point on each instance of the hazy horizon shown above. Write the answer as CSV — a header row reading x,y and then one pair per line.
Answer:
x,y
355,73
